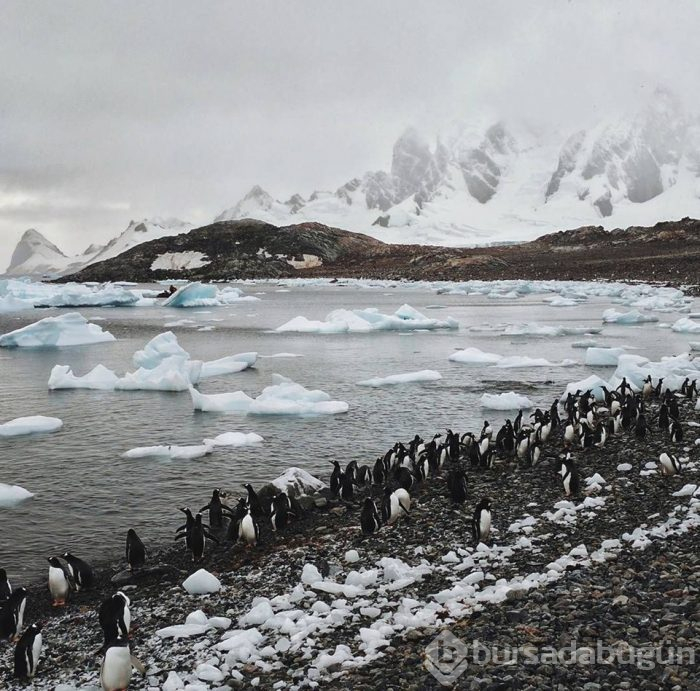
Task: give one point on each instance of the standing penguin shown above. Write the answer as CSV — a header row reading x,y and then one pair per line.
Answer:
x,y
198,538
481,521
249,530
570,477
346,486
27,652
395,505
335,478
281,510
669,464
676,432
116,670
215,509
253,501
370,522
12,614
5,586
236,517
457,485
81,572
186,530
135,550
58,582
115,617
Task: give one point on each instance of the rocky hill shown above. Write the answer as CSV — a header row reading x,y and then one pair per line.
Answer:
x,y
667,252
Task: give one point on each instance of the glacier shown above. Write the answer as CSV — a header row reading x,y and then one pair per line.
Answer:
x,y
69,329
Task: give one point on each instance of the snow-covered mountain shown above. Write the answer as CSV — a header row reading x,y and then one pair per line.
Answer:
x,y
505,181
35,255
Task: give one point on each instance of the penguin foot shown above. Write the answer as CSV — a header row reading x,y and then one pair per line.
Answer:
x,y
58,603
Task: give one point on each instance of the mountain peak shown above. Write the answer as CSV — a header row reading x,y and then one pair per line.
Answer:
x,y
35,254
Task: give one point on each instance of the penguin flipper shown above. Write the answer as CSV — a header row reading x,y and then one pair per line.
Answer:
x,y
204,508
404,508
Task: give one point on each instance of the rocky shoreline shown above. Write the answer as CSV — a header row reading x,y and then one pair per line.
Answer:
x,y
321,606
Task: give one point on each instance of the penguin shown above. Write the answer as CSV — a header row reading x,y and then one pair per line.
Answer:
x,y
335,479
395,504
280,512
185,530
58,582
600,435
647,388
347,489
370,522
5,586
249,530
457,486
486,430
236,517
676,432
405,478
517,423
670,465
253,501
351,470
657,389
135,551
117,666
535,453
115,617
481,521
12,614
215,509
28,652
641,428
378,472
570,476
81,572
198,538
484,443
363,475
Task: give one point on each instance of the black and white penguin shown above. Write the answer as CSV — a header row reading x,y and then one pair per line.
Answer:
x,y
486,430
253,501
535,453
80,572
457,485
115,617
570,477
647,388
186,529
669,464
59,585
641,427
216,509
676,432
336,476
347,489
5,586
379,472
405,478
117,666
235,521
28,652
12,614
364,475
281,510
370,522
249,530
481,521
135,551
198,538
395,505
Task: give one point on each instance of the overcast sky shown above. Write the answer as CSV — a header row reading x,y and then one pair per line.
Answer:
x,y
117,110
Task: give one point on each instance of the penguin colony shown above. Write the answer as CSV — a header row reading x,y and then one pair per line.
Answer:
x,y
580,423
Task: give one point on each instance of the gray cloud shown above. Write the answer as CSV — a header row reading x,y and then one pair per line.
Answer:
x,y
119,110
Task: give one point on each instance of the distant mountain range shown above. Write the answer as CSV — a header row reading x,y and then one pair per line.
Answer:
x,y
476,185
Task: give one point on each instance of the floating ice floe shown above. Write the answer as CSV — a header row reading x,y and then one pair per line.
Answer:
x,y
283,397
228,365
235,439
687,326
159,348
612,316
505,401
546,330
22,294
12,495
298,482
206,295
694,345
603,357
593,384
474,356
406,318
170,452
405,378
202,583
281,355
33,424
673,369
65,330
559,301
586,343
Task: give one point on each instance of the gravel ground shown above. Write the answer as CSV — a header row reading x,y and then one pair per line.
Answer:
x,y
639,591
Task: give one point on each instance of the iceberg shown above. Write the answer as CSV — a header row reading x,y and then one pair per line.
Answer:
x,y
545,330
612,316
505,401
283,397
686,326
406,318
228,365
603,357
474,356
405,378
673,370
98,378
12,495
206,295
175,373
162,346
592,384
19,293
33,424
69,329
235,439
170,452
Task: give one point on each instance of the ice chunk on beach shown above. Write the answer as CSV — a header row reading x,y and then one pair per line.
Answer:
x,y
505,401
69,329
406,318
612,316
474,356
283,397
12,495
694,345
593,383
603,357
99,378
687,326
228,365
202,583
405,378
159,348
235,439
297,482
30,425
